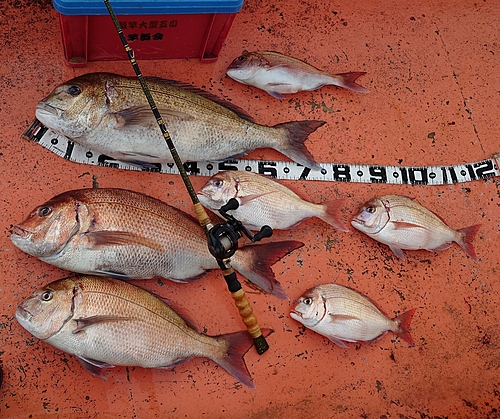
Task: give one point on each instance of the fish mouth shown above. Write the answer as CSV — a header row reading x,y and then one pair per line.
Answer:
x,y
19,231
357,220
43,108
208,202
297,313
23,312
203,198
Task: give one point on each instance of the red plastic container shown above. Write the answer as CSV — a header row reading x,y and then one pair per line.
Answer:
x,y
199,31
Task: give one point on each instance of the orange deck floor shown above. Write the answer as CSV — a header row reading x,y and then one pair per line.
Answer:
x,y
432,67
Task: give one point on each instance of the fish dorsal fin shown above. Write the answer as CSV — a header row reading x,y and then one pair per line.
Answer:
x,y
228,105
121,238
86,322
276,59
94,367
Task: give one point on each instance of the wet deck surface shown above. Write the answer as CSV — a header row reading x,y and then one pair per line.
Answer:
x,y
432,68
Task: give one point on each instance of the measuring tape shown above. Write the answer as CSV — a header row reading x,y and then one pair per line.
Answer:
x,y
332,172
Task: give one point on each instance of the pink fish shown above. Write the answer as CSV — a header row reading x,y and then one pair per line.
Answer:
x,y
401,223
278,74
263,201
342,314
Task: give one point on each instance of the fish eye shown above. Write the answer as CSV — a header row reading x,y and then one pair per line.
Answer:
x,y
218,183
74,90
44,211
371,210
242,58
307,301
47,295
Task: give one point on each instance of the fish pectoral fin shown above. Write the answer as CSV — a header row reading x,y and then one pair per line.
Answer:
x,y
94,367
135,115
85,322
121,238
248,198
402,225
175,114
342,317
143,116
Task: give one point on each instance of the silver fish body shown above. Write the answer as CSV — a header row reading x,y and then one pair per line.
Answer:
x,y
401,223
129,235
342,314
110,114
263,201
105,322
278,74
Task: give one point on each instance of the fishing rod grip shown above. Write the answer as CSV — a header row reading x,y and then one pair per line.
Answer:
x,y
202,215
245,310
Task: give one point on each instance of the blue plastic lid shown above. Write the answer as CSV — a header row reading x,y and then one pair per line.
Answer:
x,y
146,7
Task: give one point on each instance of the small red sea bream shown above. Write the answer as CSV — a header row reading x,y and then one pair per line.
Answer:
x,y
403,224
343,314
106,322
279,74
263,201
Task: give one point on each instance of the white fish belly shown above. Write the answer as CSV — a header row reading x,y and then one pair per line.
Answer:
x,y
353,330
414,238
134,262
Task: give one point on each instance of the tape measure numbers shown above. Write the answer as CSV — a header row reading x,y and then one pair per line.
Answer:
x,y
332,172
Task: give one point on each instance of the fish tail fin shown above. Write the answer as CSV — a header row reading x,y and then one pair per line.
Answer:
x,y
346,80
333,215
404,321
238,344
296,134
467,237
254,263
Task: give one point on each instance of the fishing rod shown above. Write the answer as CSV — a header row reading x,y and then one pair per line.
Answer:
x,y
223,237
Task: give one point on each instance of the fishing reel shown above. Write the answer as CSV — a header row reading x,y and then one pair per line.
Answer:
x,y
223,238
